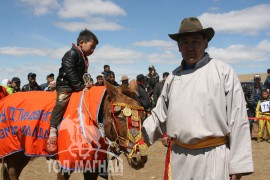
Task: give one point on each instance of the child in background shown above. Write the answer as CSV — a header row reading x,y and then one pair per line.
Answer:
x,y
262,111
70,79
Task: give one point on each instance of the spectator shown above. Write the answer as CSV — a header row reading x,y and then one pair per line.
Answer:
x,y
267,80
16,84
124,80
3,92
100,80
91,82
202,109
152,78
253,95
7,84
51,86
49,78
70,79
107,71
143,96
111,79
262,111
32,85
158,88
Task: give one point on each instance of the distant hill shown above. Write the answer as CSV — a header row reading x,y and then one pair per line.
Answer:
x,y
249,77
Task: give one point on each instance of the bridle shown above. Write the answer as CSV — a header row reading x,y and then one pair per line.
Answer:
x,y
133,115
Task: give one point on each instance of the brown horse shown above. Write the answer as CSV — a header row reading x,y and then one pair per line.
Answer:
x,y
118,107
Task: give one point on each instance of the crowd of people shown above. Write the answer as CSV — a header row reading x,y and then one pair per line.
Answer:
x,y
258,99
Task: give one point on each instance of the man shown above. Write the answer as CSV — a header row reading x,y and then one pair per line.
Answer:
x,y
32,85
107,71
100,80
143,96
152,78
111,79
45,86
253,95
158,87
202,109
124,80
267,80
16,84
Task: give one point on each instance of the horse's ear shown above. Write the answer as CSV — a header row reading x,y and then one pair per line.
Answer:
x,y
110,90
133,86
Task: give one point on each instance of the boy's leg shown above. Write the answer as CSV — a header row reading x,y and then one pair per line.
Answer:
x,y
63,96
261,130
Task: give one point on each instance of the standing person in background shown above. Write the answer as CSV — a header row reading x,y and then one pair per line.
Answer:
x,y
111,79
158,87
267,80
70,79
16,84
253,95
100,80
124,80
107,71
143,96
203,111
32,85
7,84
49,78
3,92
262,111
152,78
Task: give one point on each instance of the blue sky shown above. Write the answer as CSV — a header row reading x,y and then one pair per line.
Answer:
x,y
35,34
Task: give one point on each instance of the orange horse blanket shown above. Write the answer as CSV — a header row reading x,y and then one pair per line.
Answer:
x,y
25,122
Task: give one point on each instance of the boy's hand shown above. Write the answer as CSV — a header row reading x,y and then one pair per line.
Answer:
x,y
86,87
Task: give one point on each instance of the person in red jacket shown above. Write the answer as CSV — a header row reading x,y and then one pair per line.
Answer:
x,y
3,92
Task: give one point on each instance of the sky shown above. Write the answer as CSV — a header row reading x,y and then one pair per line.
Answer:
x,y
133,35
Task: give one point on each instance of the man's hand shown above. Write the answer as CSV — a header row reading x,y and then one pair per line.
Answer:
x,y
165,140
235,176
86,87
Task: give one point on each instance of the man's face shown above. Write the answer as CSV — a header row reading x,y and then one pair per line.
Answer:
x,y
50,79
32,79
192,47
100,81
16,85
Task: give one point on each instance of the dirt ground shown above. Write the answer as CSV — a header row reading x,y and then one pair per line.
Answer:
x,y
154,168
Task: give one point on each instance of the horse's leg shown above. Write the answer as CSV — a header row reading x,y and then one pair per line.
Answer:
x,y
15,164
63,175
88,175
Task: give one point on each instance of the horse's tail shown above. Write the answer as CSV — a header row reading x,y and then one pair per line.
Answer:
x,y
4,172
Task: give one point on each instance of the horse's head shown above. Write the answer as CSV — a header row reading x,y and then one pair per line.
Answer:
x,y
123,122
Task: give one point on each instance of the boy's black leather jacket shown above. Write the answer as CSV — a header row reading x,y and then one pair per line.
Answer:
x,y
72,70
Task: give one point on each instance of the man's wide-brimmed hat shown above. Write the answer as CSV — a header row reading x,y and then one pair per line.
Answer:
x,y
192,25
124,78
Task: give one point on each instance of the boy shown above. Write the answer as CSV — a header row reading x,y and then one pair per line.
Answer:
x,y
70,79
262,111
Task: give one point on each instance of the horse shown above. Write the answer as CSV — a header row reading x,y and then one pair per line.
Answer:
x,y
121,121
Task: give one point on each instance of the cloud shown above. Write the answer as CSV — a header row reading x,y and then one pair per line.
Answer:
x,y
167,57
41,7
156,43
93,24
88,8
116,55
249,21
22,51
241,53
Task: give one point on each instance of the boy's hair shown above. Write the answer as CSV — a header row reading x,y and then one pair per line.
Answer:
x,y
86,35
